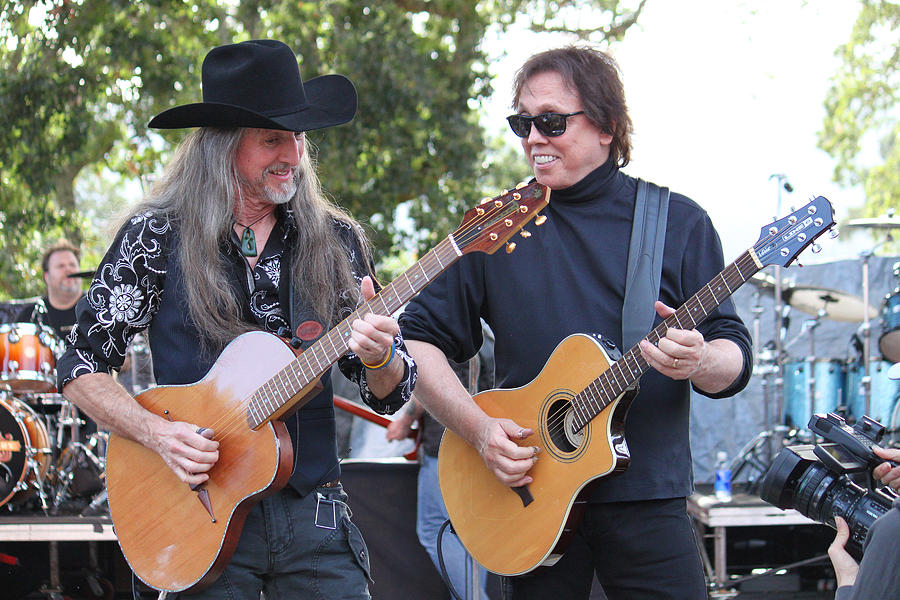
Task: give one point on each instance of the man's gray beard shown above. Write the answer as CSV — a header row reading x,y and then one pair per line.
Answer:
x,y
286,193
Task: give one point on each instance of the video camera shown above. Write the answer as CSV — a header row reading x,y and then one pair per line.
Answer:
x,y
821,481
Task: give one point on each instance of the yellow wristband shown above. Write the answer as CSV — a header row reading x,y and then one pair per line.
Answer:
x,y
382,364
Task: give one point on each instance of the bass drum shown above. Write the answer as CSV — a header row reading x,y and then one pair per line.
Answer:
x,y
883,396
889,341
829,381
28,357
25,451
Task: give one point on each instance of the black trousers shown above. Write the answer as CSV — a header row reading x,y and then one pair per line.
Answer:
x,y
639,550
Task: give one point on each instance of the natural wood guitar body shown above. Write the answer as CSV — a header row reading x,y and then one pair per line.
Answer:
x,y
491,520
166,534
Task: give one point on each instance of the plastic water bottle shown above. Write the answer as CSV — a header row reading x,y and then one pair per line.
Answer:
x,y
722,486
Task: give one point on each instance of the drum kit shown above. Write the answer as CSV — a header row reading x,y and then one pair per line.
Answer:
x,y
800,386
51,458
45,460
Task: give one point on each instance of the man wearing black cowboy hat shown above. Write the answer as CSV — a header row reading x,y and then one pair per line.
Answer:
x,y
236,236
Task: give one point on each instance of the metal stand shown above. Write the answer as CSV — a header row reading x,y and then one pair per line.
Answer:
x,y
865,330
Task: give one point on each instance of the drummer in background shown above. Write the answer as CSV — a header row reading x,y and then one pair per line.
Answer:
x,y
57,308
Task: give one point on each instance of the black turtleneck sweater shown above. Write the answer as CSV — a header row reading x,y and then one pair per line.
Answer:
x,y
569,277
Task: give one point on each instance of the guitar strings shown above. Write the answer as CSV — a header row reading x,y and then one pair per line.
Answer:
x,y
233,420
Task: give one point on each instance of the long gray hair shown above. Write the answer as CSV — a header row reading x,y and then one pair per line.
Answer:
x,y
198,192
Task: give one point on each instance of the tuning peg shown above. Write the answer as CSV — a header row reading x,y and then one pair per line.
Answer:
x,y
510,246
816,248
520,185
539,219
834,232
525,233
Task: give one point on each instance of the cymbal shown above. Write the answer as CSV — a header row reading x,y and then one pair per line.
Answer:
x,y
837,305
882,222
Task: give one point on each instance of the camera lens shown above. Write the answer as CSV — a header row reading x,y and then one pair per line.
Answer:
x,y
797,479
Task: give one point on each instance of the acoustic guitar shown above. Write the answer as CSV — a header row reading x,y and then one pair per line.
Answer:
x,y
576,407
176,538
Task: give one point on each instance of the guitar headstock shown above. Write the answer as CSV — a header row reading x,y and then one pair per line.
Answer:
x,y
489,225
783,240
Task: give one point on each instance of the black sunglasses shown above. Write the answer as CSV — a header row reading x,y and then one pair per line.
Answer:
x,y
549,124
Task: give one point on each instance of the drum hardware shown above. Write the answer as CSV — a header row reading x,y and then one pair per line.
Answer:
x,y
44,461
756,455
80,471
887,223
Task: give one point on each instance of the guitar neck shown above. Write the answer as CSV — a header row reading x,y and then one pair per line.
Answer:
x,y
275,395
625,372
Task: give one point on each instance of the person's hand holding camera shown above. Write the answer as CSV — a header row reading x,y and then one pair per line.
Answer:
x,y
845,567
888,473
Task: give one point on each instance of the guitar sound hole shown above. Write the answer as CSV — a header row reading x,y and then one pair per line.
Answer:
x,y
559,419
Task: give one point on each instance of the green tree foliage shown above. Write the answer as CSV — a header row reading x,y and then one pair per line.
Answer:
x,y
82,79
862,122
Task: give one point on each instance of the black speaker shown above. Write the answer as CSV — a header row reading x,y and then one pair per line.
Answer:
x,y
383,500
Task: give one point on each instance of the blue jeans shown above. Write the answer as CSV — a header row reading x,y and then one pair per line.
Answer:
x,y
293,547
431,514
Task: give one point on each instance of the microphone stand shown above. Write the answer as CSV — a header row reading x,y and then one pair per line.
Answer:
x,y
778,388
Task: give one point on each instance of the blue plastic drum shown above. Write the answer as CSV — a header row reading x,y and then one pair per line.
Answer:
x,y
884,393
799,405
889,341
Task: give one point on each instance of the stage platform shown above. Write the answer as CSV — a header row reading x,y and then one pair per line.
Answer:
x,y
748,535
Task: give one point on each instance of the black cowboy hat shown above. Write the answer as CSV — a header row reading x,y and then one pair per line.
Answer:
x,y
257,84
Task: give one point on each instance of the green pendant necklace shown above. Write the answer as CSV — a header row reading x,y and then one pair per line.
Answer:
x,y
248,238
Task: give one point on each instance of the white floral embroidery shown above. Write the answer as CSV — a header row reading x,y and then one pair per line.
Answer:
x,y
124,301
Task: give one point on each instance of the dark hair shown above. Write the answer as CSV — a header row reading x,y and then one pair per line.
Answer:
x,y
60,246
594,75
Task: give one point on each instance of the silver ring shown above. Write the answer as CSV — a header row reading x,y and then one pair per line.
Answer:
x,y
675,364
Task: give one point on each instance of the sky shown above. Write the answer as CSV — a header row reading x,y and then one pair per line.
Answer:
x,y
724,94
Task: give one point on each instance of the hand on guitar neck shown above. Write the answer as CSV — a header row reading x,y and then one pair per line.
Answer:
x,y
684,354
372,339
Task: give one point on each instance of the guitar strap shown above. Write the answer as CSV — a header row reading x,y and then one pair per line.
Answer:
x,y
306,326
645,258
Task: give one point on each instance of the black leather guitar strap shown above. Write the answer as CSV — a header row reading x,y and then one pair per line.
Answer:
x,y
645,257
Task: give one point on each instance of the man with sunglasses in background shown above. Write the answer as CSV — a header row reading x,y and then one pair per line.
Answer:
x,y
569,277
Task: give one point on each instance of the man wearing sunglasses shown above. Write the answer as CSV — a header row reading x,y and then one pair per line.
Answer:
x,y
569,277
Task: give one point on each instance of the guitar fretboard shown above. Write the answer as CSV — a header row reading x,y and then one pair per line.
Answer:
x,y
623,373
271,397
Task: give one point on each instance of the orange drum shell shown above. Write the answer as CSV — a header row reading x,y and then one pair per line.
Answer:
x,y
27,361
37,442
